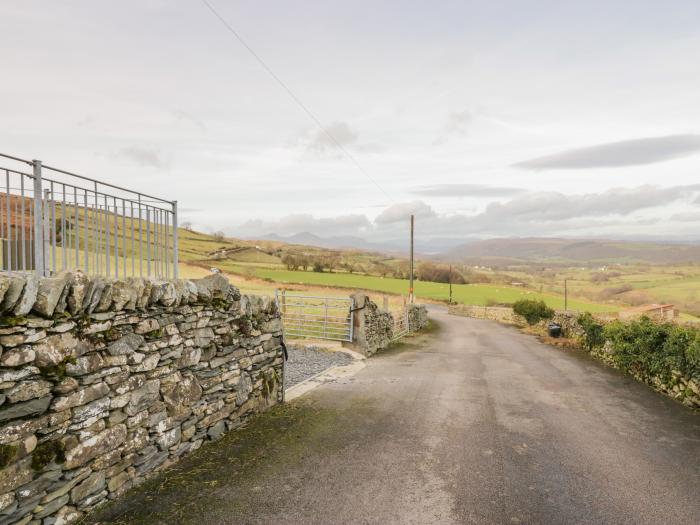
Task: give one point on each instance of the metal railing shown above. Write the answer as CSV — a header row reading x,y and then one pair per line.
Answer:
x,y
53,220
316,317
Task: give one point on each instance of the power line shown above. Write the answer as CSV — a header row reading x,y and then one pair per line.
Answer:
x,y
296,99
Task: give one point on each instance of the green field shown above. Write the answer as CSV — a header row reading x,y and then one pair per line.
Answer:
x,y
478,294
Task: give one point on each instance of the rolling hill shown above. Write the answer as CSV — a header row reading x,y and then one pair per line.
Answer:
x,y
573,251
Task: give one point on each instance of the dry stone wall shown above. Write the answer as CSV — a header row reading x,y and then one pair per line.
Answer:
x,y
102,382
374,328
494,313
417,317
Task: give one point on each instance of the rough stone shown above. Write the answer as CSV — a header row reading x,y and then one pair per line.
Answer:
x,y
27,390
15,475
93,484
55,349
95,446
17,356
49,293
125,345
143,397
34,407
26,301
13,292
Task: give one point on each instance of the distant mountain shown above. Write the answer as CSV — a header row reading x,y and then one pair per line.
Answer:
x,y
334,243
423,246
556,250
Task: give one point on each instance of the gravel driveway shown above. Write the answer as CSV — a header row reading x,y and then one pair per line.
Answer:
x,y
306,361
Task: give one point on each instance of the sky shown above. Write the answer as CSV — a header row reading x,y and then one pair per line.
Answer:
x,y
484,119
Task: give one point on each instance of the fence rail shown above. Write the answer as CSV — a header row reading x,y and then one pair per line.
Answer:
x,y
52,220
316,317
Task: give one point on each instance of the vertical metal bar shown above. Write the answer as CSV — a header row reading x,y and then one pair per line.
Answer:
x,y
45,226
166,243
140,238
148,241
86,245
23,232
3,233
159,256
116,239
108,240
53,229
352,318
325,321
18,256
124,236
64,237
75,230
156,261
133,251
95,234
8,203
176,245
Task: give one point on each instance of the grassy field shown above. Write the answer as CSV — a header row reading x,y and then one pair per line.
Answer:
x,y
478,294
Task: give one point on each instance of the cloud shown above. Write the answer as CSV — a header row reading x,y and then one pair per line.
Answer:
x,y
298,223
616,154
327,142
464,190
399,213
553,206
691,216
147,157
186,117
456,124
537,213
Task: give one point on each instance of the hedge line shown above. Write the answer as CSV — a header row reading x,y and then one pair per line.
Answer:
x,y
644,347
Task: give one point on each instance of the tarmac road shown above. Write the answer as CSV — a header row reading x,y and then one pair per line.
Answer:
x,y
475,423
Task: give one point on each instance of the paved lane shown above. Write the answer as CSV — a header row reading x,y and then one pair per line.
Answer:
x,y
476,423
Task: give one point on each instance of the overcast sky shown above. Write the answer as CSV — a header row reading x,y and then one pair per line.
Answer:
x,y
484,118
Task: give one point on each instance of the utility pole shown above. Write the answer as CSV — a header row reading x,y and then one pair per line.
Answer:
x,y
566,295
410,288
450,281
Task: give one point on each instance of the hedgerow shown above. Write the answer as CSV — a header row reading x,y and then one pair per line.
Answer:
x,y
644,347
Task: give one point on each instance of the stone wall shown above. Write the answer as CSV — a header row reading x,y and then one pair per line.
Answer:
x,y
373,328
102,382
494,313
417,317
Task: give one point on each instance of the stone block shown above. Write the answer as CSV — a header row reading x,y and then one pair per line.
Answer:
x,y
106,440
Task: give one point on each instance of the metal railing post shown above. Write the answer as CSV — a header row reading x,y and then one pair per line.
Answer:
x,y
175,242
38,223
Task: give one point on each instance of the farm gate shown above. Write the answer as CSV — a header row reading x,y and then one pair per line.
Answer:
x,y
316,317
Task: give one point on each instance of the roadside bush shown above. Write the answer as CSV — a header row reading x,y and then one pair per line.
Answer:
x,y
593,331
533,311
647,348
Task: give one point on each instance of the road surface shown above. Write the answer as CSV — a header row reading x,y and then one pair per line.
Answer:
x,y
475,423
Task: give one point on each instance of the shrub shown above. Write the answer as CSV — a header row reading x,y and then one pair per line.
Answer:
x,y
593,331
533,311
648,348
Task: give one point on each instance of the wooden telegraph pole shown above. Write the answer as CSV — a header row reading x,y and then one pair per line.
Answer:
x,y
410,288
566,295
450,281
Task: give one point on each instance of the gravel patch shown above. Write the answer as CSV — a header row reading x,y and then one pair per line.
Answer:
x,y
307,361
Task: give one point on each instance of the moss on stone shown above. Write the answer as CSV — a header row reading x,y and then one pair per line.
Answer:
x,y
47,452
7,454
12,320
220,304
57,372
154,334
